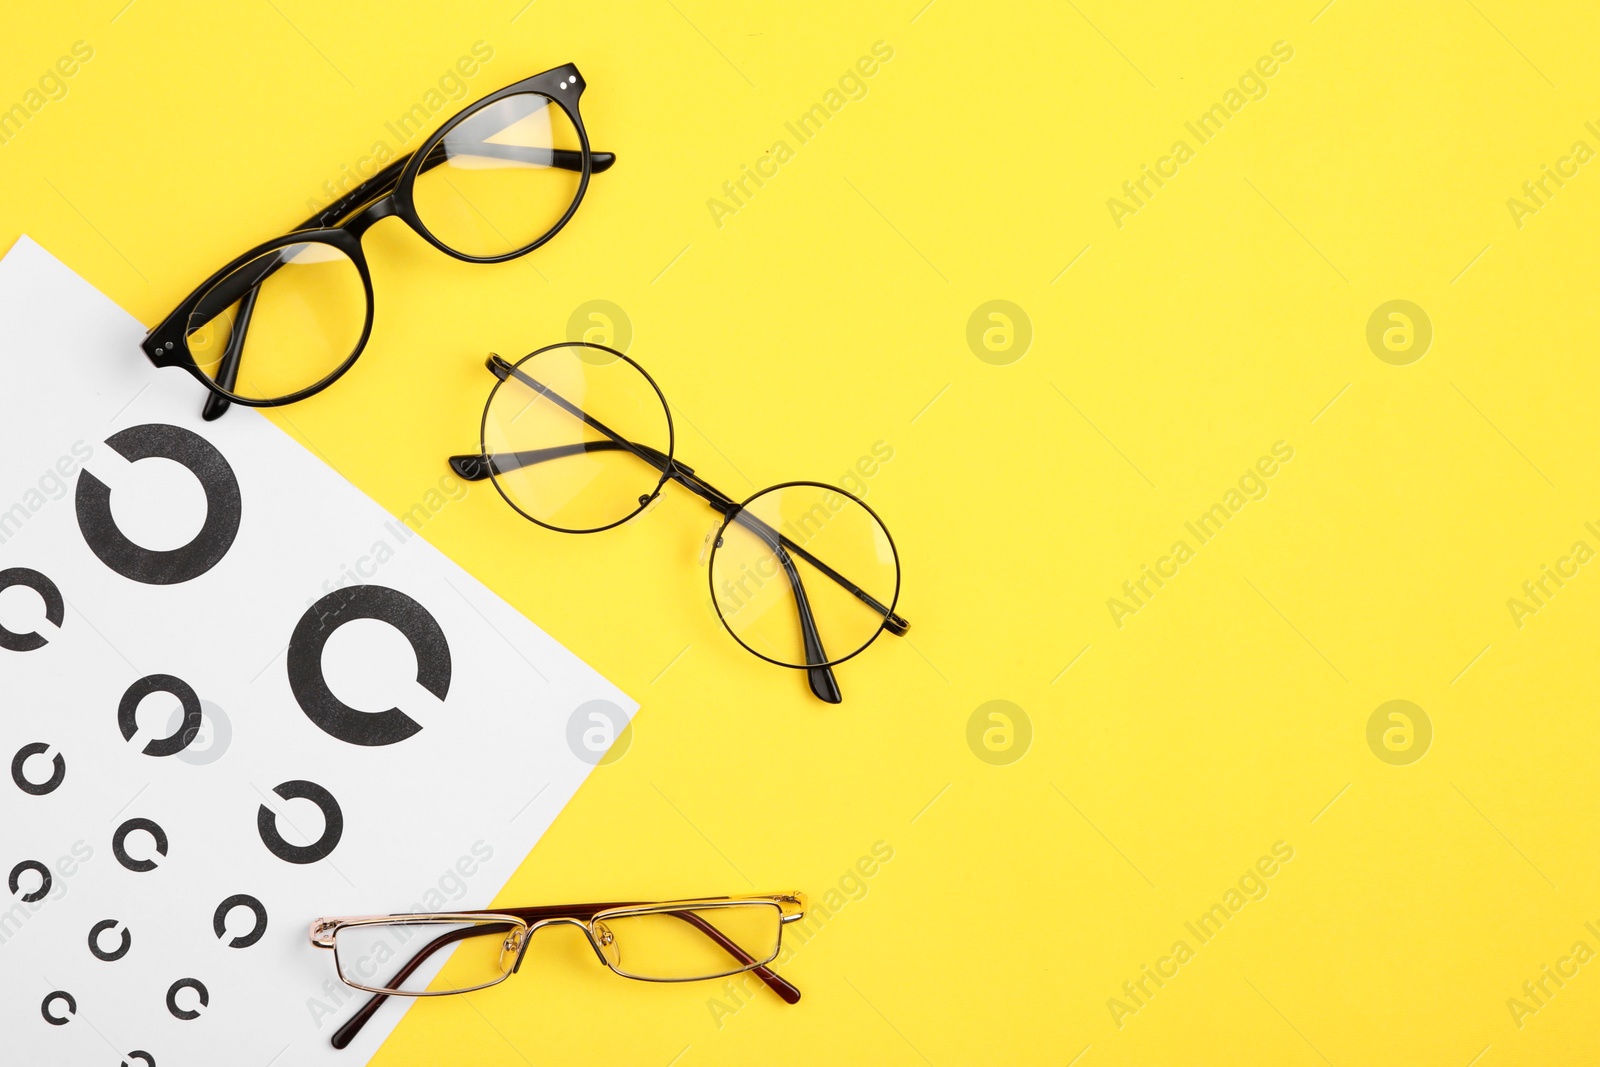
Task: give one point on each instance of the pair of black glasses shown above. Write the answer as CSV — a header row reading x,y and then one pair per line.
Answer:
x,y
289,317
578,438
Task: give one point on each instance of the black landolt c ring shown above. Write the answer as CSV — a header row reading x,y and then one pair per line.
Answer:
x,y
496,181
578,438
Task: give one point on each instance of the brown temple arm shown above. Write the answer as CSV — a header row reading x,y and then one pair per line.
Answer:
x,y
773,979
583,912
352,1026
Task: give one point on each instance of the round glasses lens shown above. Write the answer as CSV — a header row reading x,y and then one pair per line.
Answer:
x,y
795,554
576,438
301,310
502,177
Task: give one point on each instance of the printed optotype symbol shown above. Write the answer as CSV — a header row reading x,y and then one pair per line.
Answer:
x,y
199,990
332,824
332,715
598,732
224,508
15,881
219,921
178,740
65,998
999,732
1399,732
109,955
19,769
999,332
54,607
1399,332
119,844
600,322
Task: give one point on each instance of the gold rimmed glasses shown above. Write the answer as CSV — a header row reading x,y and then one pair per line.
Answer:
x,y
439,954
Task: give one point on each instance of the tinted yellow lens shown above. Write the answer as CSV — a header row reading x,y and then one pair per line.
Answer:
x,y
309,312
690,943
415,958
507,175
761,567
550,456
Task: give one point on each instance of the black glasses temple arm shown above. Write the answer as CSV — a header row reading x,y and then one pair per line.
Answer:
x,y
559,158
824,686
387,179
243,286
227,376
891,622
477,468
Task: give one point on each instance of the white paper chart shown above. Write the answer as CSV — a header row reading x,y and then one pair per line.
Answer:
x,y
235,695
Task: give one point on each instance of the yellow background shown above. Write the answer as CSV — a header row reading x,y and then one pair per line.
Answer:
x,y
830,313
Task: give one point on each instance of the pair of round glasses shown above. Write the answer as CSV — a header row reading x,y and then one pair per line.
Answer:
x,y
289,317
578,438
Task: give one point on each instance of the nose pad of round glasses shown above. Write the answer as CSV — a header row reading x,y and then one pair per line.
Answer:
x,y
649,502
606,941
711,543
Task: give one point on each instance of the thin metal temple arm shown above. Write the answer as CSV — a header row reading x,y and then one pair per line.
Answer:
x,y
893,623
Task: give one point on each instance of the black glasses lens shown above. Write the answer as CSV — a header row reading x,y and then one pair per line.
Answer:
x,y
502,177
282,323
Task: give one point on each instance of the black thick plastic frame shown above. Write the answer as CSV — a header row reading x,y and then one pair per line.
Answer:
x,y
342,224
824,686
